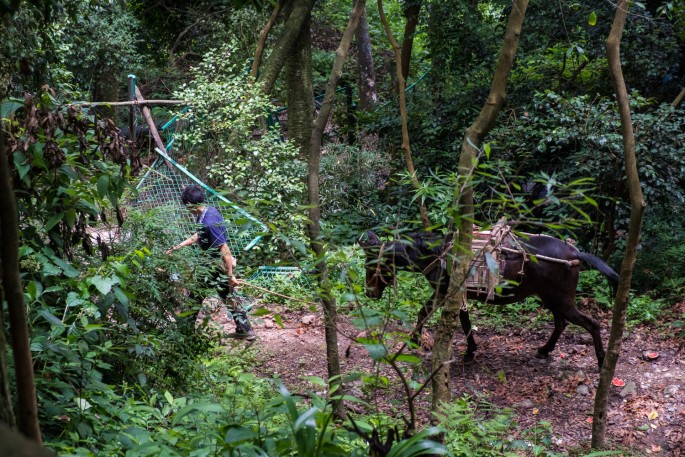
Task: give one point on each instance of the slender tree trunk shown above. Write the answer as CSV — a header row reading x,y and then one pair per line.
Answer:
x,y
313,170
456,295
285,41
298,76
6,411
13,293
261,42
679,98
637,208
403,113
106,87
367,72
411,13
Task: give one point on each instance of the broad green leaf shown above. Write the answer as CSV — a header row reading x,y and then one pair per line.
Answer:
x,y
376,351
50,318
53,220
121,296
238,434
199,407
408,358
67,269
9,107
21,164
103,186
316,380
592,20
103,285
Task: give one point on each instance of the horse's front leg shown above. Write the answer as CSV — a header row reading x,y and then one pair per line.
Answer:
x,y
559,326
471,345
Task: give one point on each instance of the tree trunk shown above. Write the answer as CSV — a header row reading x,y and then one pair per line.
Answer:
x,y
13,293
300,91
106,87
6,411
367,72
403,113
456,295
315,206
411,13
637,208
284,43
261,42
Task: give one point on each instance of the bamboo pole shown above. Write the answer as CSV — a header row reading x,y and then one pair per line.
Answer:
x,y
133,102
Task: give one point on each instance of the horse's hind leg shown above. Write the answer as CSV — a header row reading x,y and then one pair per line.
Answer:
x,y
471,346
574,316
559,326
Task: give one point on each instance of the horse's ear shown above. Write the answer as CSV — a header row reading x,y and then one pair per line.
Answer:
x,y
371,239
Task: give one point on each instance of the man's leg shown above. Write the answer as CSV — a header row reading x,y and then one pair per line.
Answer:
x,y
242,324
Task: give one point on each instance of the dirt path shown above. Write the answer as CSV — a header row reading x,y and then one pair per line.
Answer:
x,y
647,414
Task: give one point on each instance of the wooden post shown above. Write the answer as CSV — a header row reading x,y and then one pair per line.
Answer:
x,y
132,109
153,128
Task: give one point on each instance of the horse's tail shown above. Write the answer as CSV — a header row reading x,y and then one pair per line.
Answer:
x,y
603,268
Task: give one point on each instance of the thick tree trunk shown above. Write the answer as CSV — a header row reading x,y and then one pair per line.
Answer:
x,y
403,113
284,43
456,295
367,72
261,42
19,330
637,208
411,13
298,75
315,205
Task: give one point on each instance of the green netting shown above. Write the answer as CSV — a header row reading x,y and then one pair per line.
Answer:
x,y
293,275
289,281
160,190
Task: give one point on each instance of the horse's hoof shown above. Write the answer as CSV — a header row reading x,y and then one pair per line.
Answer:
x,y
468,359
541,354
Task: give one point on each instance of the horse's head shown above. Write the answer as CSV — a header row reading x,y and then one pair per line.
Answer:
x,y
378,272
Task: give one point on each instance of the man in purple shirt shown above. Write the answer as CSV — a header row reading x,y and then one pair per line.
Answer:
x,y
211,236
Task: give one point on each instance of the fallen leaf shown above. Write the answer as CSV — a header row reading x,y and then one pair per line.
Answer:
x,y
656,448
653,415
536,411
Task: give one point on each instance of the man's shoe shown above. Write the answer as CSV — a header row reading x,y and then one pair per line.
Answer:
x,y
249,335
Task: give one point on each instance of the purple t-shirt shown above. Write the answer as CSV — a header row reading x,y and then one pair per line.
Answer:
x,y
212,233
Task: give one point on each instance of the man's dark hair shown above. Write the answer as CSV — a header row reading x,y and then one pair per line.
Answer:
x,y
193,195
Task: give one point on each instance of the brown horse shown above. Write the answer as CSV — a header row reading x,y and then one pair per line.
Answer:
x,y
541,266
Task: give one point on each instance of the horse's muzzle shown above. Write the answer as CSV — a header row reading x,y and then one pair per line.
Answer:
x,y
374,292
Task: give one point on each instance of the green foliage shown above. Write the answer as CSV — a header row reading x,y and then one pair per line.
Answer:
x,y
475,428
578,138
96,43
643,309
593,285
248,164
353,181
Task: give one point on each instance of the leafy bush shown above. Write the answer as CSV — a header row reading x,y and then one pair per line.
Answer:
x,y
228,148
475,428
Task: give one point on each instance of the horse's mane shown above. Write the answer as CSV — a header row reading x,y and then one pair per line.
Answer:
x,y
427,243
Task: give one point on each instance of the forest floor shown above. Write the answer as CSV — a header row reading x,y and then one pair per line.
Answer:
x,y
647,415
